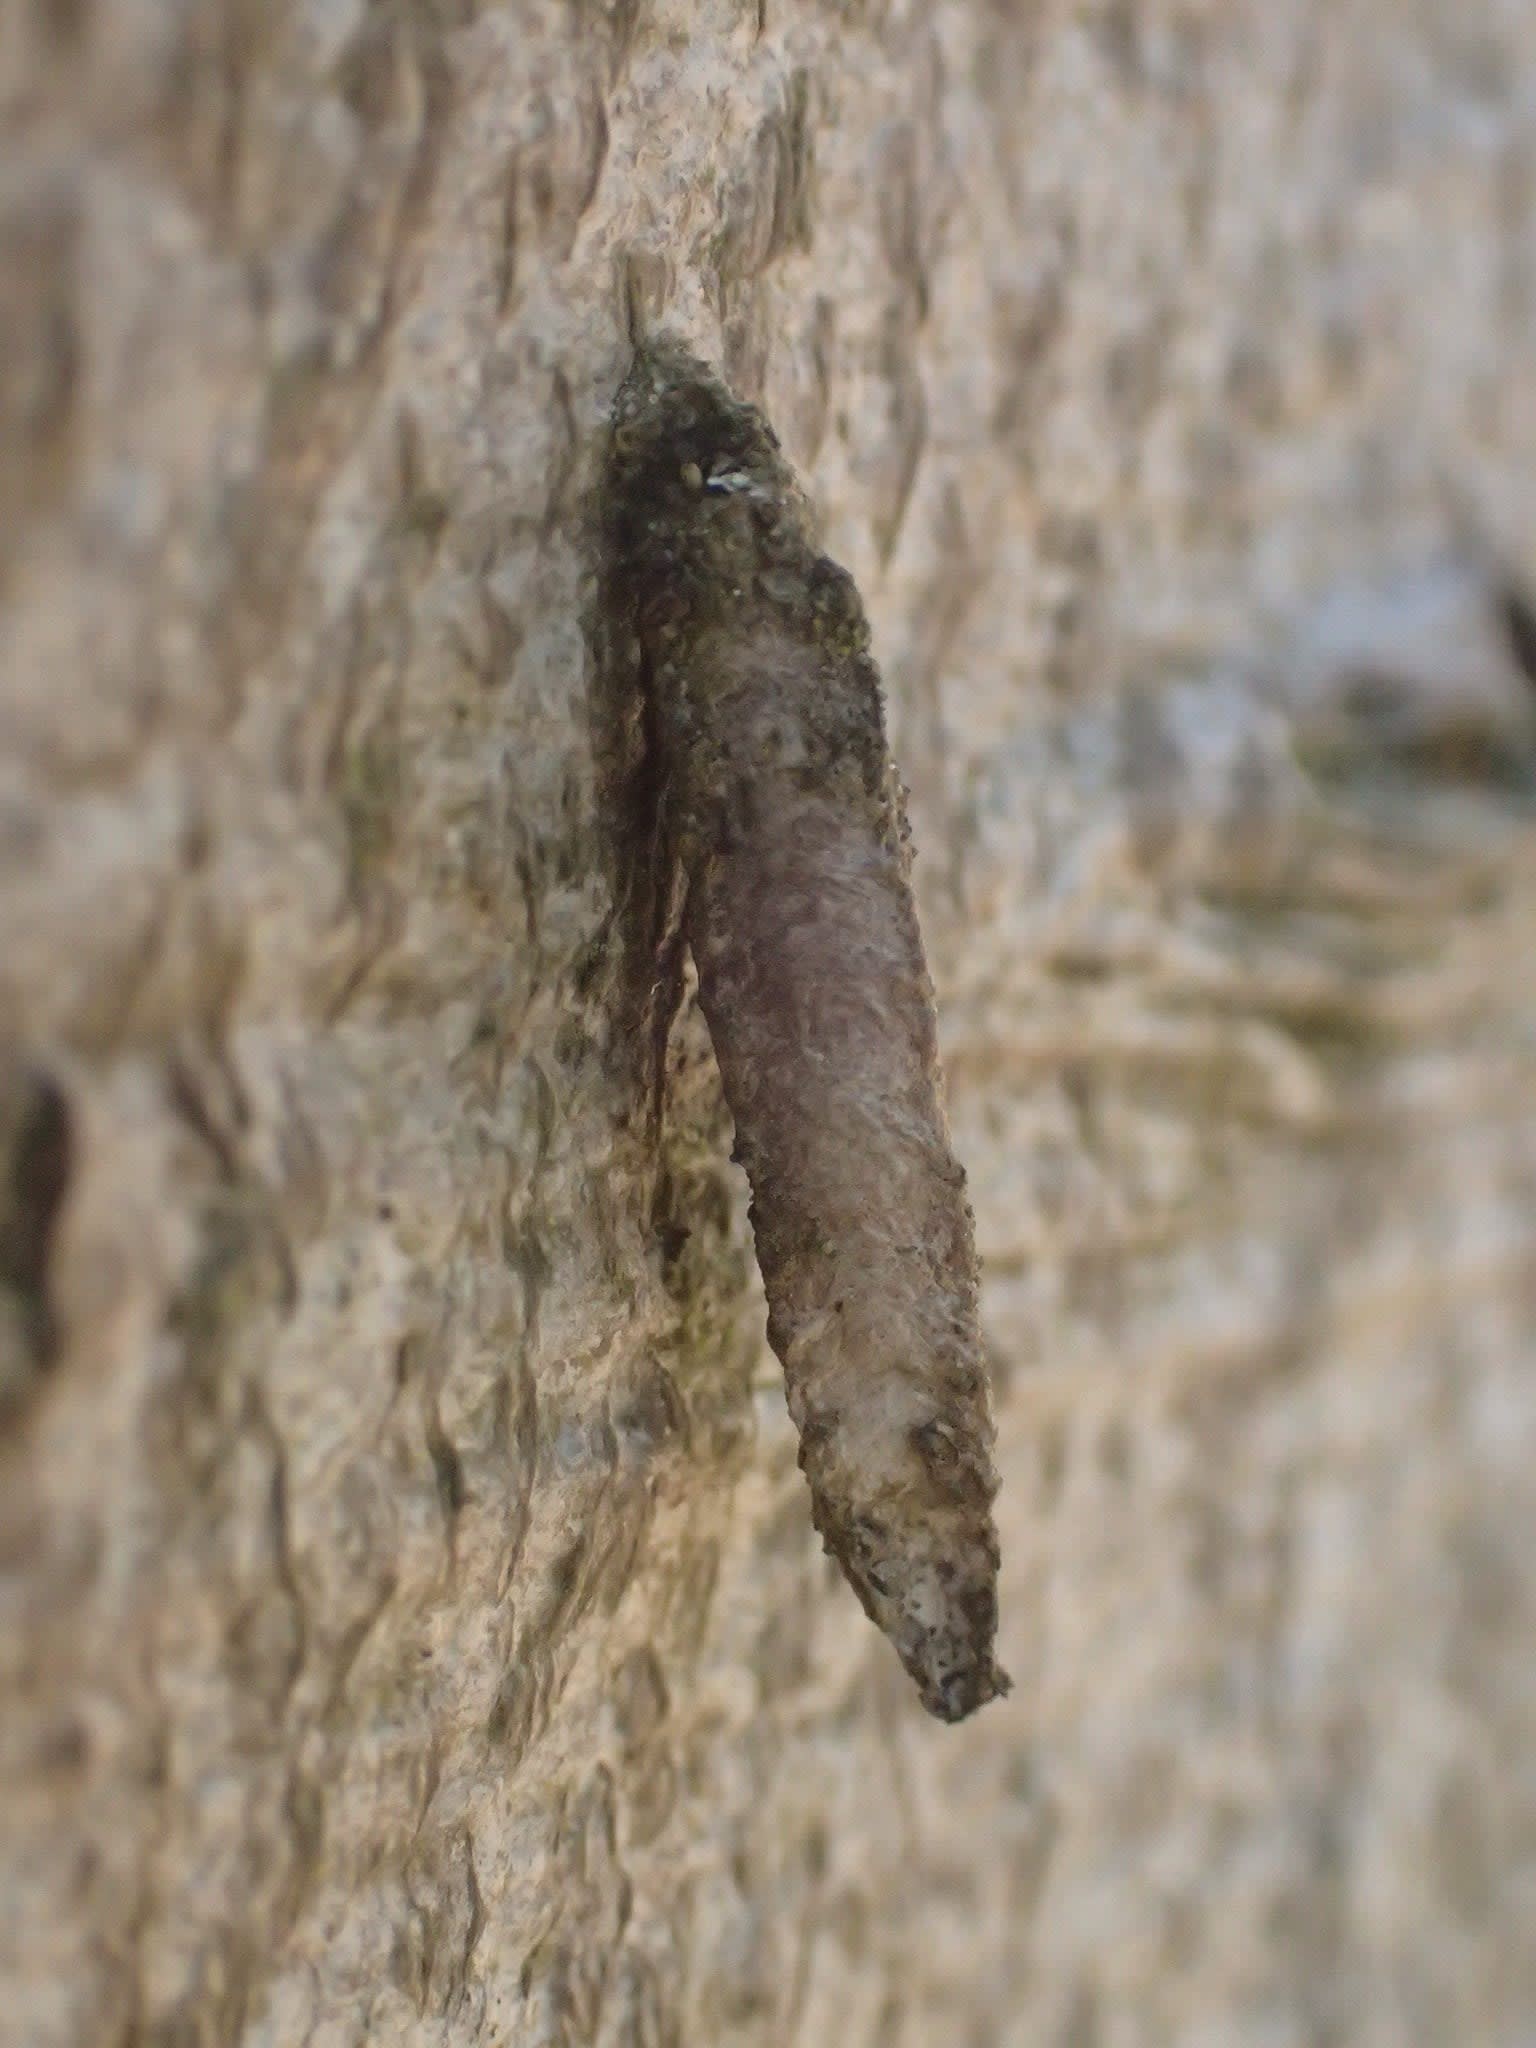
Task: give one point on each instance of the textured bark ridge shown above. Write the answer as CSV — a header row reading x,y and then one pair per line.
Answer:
x,y
781,799
412,1630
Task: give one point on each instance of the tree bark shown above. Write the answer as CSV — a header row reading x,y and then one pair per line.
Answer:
x,y
412,1626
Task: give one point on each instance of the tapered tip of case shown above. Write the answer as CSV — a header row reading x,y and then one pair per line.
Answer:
x,y
931,1587
961,1693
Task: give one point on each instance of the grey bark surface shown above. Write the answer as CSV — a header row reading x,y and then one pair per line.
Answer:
x,y
411,1624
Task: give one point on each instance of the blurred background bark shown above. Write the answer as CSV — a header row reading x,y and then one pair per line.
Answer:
x,y
411,1627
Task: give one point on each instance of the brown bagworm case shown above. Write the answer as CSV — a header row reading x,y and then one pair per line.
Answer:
x,y
783,806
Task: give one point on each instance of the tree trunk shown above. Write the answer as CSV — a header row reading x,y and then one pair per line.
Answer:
x,y
412,1627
